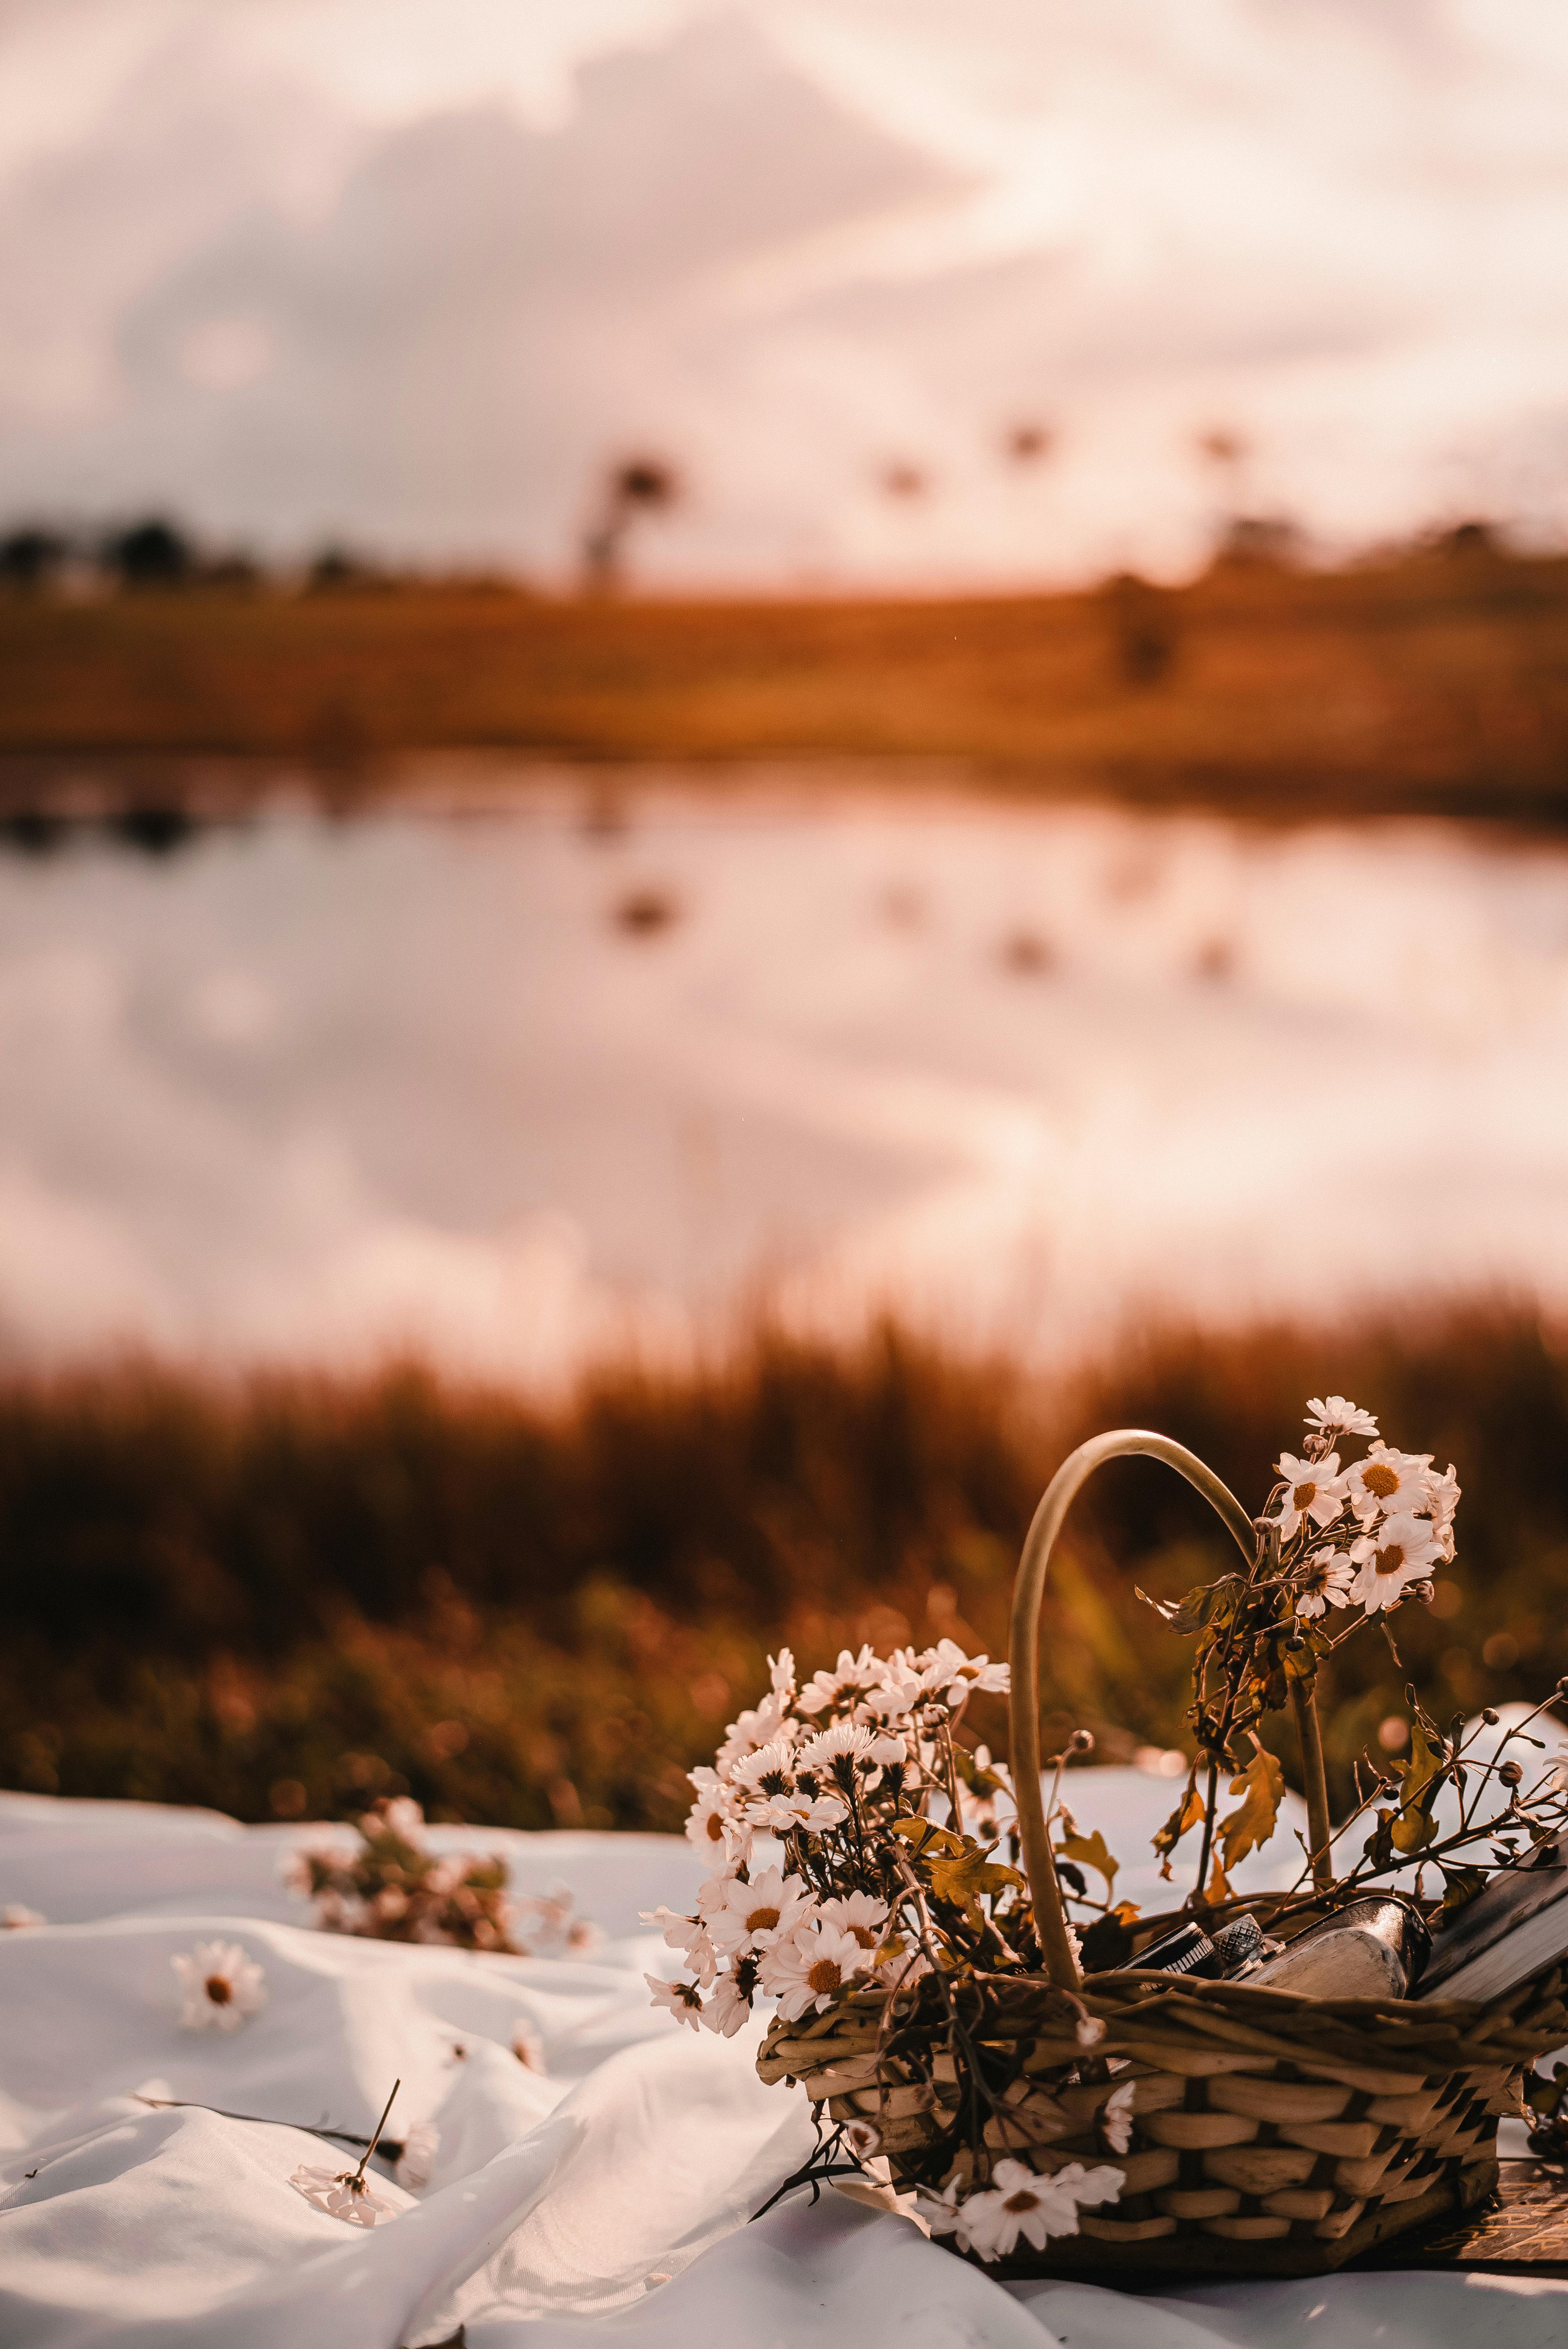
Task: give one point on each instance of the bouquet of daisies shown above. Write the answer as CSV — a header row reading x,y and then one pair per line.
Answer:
x,y
815,1819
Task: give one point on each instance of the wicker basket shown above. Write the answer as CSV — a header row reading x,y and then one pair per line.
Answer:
x,y
1273,2134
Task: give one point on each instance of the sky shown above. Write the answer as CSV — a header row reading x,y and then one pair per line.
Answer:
x,y
412,274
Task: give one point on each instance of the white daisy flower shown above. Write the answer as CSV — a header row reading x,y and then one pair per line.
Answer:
x,y
1402,1550
751,1917
946,1672
860,1914
1338,1416
727,2009
943,2213
798,1812
689,1935
770,1770
1323,1582
781,1676
851,1678
683,2001
863,2139
1442,1502
808,1970
1115,2118
1023,2203
220,1986
1314,1489
851,1752
1388,1481
760,1727
712,1827
341,2194
418,2158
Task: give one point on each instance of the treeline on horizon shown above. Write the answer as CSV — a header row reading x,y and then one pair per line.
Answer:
x,y
283,1595
1431,679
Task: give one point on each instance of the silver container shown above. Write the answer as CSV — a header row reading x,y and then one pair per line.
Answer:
x,y
1373,1948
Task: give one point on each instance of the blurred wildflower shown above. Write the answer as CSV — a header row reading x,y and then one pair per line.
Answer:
x,y
1338,1416
220,1986
416,2159
527,2047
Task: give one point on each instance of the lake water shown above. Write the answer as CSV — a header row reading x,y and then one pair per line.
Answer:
x,y
517,1086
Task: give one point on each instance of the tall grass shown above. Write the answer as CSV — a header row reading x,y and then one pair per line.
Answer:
x,y
280,1596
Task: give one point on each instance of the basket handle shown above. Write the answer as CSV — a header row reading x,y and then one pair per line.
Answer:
x,y
1024,1704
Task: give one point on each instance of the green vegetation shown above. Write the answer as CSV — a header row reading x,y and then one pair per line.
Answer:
x,y
281,1597
1437,680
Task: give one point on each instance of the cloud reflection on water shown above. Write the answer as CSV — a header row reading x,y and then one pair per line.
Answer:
x,y
311,1091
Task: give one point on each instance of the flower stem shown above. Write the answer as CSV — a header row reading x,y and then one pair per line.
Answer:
x,y
1319,1822
375,2139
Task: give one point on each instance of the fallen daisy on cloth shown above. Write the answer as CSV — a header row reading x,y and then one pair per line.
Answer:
x,y
221,1986
585,2170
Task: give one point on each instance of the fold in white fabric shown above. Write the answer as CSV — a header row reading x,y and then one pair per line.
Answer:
x,y
606,2197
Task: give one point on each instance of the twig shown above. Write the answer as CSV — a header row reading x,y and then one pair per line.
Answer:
x,y
392,2150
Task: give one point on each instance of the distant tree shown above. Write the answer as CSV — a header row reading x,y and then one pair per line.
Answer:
x,y
1026,443
903,481
633,486
30,556
1259,541
149,553
1142,628
335,566
236,569
1464,541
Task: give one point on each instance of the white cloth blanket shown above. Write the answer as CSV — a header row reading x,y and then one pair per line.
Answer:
x,y
606,2198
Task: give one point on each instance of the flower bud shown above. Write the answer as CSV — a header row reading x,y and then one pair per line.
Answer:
x,y
1082,1741
1490,1718
1510,1774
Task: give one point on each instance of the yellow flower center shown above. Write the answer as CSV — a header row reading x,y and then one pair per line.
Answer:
x,y
762,1920
1380,1481
1022,2200
218,1990
1304,1496
715,1827
864,1935
1390,1560
824,1976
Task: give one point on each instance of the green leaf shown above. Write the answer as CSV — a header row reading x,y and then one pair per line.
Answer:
x,y
1378,1846
925,1838
956,1867
1089,1851
1261,1788
1423,1774
1189,1813
1461,1886
1200,1606
961,1880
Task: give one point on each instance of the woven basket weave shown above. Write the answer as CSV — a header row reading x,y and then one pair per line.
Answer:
x,y
1273,2134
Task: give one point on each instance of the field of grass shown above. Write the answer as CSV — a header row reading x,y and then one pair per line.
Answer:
x,y
1438,681
284,1596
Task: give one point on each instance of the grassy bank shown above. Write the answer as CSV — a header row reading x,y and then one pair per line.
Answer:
x,y
1437,682
281,1597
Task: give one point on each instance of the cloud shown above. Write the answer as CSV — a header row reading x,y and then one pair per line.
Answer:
x,y
488,312
301,270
